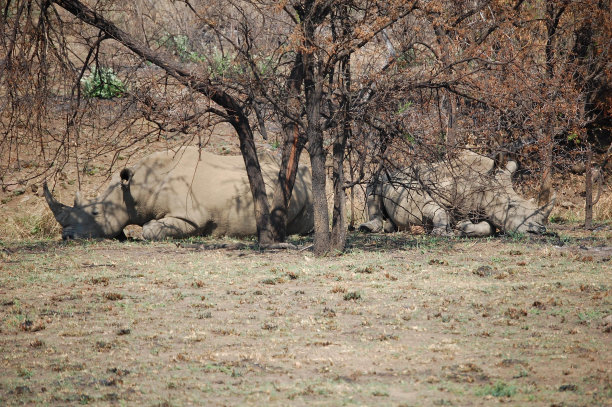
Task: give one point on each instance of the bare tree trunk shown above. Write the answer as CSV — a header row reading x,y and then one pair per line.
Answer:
x,y
447,127
546,155
588,186
338,233
321,215
290,158
546,142
314,133
256,182
351,225
451,137
291,149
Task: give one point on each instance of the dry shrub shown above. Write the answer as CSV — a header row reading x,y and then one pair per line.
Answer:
x,y
602,211
38,224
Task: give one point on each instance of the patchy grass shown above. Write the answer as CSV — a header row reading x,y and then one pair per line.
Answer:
x,y
396,320
499,389
37,225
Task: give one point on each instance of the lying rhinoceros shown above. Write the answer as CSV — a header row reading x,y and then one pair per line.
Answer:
x,y
467,188
174,194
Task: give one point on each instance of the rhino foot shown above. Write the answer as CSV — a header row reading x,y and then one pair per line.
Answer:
x,y
278,246
442,231
373,226
389,227
469,229
168,227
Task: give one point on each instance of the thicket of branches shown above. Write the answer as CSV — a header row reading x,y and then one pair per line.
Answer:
x,y
361,85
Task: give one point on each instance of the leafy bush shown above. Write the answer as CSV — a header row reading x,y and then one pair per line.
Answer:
x,y
499,389
103,83
179,46
222,65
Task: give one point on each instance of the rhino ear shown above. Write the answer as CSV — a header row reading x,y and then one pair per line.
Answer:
x,y
126,175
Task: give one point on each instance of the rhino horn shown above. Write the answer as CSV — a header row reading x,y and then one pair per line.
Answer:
x,y
547,208
56,207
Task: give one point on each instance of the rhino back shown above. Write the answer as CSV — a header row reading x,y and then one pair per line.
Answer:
x,y
211,191
208,190
300,217
457,185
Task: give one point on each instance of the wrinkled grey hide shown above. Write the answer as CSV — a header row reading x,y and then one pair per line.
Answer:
x,y
465,193
174,194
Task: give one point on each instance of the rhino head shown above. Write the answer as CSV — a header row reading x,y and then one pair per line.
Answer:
x,y
102,217
510,211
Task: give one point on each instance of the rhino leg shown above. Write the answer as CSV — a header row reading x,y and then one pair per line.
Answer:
x,y
373,226
469,229
439,219
389,226
375,215
167,228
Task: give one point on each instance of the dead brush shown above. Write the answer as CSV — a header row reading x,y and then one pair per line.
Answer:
x,y
602,211
573,210
37,225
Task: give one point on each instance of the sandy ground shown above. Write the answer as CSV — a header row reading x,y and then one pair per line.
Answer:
x,y
397,320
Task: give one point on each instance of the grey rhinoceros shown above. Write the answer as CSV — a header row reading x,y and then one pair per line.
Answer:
x,y
177,194
468,188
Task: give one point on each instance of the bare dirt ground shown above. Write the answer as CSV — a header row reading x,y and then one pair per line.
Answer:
x,y
397,320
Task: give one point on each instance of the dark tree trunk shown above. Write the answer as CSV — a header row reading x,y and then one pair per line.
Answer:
x,y
313,13
338,234
351,225
233,110
256,182
546,155
321,215
291,149
588,186
546,142
314,134
290,159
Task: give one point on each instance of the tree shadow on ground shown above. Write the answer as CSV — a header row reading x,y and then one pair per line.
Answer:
x,y
356,241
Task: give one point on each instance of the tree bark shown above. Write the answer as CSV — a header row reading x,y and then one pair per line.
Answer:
x,y
234,111
546,155
546,142
338,233
290,159
256,182
321,215
588,187
291,149
314,134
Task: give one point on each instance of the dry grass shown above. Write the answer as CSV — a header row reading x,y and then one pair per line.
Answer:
x,y
140,323
39,224
570,201
602,211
